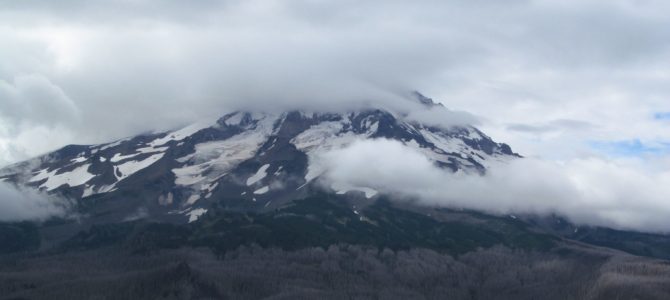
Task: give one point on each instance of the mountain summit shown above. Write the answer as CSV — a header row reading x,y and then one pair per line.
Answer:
x,y
243,194
243,161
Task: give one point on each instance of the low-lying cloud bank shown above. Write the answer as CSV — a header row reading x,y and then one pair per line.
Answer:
x,y
27,205
589,191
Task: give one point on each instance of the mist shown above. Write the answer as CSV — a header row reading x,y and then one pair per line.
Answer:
x,y
22,204
589,191
550,78
82,72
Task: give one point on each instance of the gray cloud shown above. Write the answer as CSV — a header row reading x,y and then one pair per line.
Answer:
x,y
619,194
547,76
142,65
33,99
442,117
24,204
555,125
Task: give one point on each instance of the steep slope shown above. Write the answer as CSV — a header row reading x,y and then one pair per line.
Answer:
x,y
250,161
248,188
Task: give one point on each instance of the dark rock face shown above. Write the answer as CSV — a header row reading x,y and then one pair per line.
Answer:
x,y
246,187
245,161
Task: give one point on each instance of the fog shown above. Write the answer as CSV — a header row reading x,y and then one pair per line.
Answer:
x,y
567,82
592,191
86,72
21,204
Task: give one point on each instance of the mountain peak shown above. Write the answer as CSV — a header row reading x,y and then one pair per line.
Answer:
x,y
425,100
243,161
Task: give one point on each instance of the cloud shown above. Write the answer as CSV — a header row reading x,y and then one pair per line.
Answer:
x,y
35,115
17,204
552,126
521,62
442,117
621,194
562,80
33,99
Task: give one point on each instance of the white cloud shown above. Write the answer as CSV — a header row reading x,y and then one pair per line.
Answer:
x,y
442,117
24,204
35,115
34,99
549,77
593,191
517,62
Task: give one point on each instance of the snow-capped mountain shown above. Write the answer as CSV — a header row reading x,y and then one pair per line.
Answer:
x,y
242,161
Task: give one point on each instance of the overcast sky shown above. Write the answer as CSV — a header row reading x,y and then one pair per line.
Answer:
x,y
555,79
581,88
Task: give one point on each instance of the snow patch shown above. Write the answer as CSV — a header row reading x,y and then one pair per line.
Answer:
x,y
119,157
76,177
79,159
373,128
474,135
195,214
192,199
189,175
450,144
276,173
111,145
235,119
212,160
180,134
343,188
260,174
166,200
262,190
91,190
151,149
131,167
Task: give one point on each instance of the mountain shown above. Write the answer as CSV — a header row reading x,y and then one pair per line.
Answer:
x,y
238,208
245,161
